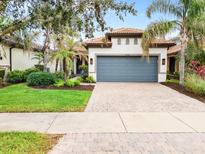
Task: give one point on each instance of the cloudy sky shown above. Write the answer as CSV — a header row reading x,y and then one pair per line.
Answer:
x,y
140,21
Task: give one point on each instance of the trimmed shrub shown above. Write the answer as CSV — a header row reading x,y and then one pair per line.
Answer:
x,y
40,79
58,76
76,82
90,79
59,83
80,79
2,73
15,76
195,84
70,83
27,72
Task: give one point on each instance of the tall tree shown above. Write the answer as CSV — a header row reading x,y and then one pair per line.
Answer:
x,y
188,20
82,16
67,49
13,15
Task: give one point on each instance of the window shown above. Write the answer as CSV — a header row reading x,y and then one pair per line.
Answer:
x,y
135,41
119,41
127,41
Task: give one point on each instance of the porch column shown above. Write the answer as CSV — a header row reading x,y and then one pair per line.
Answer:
x,y
75,65
83,62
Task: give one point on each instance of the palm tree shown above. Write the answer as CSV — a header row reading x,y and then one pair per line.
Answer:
x,y
68,49
189,20
38,56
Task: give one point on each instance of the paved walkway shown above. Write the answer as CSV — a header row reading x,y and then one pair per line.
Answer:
x,y
140,97
131,143
115,133
103,122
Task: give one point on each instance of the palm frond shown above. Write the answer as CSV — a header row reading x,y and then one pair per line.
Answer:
x,y
166,7
154,30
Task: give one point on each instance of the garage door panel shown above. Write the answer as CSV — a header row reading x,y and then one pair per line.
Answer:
x,y
126,69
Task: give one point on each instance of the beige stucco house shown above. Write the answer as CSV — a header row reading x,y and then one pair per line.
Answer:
x,y
14,57
117,57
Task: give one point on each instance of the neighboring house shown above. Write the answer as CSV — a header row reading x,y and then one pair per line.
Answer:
x,y
117,57
172,60
14,57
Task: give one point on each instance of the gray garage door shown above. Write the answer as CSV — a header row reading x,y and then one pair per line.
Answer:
x,y
126,69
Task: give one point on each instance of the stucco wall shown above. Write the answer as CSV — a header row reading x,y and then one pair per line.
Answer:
x,y
21,60
128,50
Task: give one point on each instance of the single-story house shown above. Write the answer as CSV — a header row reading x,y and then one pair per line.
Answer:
x,y
13,56
117,57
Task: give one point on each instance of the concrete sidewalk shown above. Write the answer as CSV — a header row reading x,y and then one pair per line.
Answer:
x,y
130,122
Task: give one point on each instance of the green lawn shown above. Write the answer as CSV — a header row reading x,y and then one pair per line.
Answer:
x,y
21,98
26,143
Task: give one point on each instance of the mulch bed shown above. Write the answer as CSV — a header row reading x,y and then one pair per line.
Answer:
x,y
182,90
81,87
4,85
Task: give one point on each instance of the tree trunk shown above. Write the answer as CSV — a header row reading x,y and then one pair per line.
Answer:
x,y
65,69
56,67
46,50
184,43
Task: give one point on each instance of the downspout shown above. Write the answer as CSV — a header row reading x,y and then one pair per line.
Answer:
x,y
10,58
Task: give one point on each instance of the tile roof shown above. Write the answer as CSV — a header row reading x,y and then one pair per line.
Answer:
x,y
98,42
174,49
102,41
125,32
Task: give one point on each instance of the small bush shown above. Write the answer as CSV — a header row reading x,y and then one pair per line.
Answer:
x,y
2,73
70,83
59,83
27,72
80,79
90,79
40,79
195,84
58,76
15,76
77,83
1,81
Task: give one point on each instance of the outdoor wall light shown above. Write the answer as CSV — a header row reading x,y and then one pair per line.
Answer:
x,y
163,61
91,61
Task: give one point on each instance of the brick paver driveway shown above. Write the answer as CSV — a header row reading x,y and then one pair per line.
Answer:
x,y
141,97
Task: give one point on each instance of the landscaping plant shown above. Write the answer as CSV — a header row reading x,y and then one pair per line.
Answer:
x,y
40,79
188,20
195,84
72,83
59,83
198,69
90,79
80,79
58,76
1,81
2,73
15,76
27,72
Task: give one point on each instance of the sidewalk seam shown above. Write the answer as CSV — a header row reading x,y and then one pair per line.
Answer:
x,y
54,119
183,122
123,122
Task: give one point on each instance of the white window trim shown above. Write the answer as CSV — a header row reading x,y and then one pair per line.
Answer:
x,y
127,41
135,41
119,41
